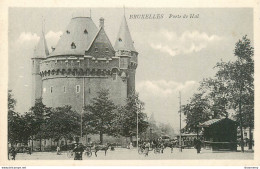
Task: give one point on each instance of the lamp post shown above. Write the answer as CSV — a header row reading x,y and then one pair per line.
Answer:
x,y
180,144
137,130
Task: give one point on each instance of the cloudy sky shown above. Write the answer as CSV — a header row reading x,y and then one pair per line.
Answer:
x,y
175,54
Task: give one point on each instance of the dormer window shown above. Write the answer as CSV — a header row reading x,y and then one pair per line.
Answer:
x,y
73,46
119,39
85,31
107,50
96,49
68,32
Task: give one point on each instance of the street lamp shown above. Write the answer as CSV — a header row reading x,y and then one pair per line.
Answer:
x,y
137,129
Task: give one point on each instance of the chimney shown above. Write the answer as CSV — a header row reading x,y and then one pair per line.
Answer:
x,y
101,22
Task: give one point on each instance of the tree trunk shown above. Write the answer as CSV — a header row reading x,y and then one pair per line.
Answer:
x,y
51,142
241,123
66,143
101,137
40,143
250,138
32,143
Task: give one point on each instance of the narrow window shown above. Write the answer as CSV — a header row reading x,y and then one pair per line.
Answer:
x,y
89,90
51,89
107,50
96,49
73,46
64,89
85,31
77,88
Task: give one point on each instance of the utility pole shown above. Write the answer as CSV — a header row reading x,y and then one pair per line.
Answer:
x,y
137,130
180,143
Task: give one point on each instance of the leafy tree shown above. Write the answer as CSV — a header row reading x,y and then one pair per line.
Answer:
x,y
196,111
13,118
128,117
239,76
39,113
11,101
63,122
216,91
99,115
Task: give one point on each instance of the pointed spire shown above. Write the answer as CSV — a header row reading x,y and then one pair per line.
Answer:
x,y
124,40
41,50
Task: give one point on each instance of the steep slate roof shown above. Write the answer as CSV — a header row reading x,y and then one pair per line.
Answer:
x,y
81,31
124,40
102,43
41,50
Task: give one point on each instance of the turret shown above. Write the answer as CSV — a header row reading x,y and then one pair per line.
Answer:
x,y
40,53
125,50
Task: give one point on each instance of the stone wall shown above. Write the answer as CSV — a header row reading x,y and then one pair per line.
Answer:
x,y
63,91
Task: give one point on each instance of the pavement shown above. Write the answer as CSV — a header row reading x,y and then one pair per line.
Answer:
x,y
132,154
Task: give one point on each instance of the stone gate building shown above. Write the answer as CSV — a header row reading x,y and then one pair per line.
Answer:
x,y
83,62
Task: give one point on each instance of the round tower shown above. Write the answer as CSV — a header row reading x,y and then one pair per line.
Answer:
x,y
82,63
125,50
40,53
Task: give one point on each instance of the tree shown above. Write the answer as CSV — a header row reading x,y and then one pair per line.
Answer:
x,y
11,101
128,117
13,118
196,111
99,114
39,113
63,122
239,76
216,91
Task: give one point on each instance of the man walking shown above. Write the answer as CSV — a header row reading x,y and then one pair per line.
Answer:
x,y
78,150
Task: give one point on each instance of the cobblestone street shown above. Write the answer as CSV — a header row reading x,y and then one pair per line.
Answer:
x,y
126,154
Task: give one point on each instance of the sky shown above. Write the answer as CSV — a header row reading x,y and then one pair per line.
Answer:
x,y
175,53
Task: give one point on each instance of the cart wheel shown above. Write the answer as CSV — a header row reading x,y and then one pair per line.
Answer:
x,y
88,153
70,154
140,151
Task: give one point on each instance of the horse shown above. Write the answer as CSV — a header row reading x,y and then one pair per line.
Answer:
x,y
101,147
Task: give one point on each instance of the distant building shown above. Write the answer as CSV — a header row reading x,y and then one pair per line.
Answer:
x,y
83,62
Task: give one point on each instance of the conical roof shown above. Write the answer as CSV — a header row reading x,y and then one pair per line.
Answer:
x,y
41,50
77,37
124,40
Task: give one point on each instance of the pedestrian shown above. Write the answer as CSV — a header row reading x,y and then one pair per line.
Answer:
x,y
78,150
172,145
197,143
147,146
130,145
13,152
58,150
